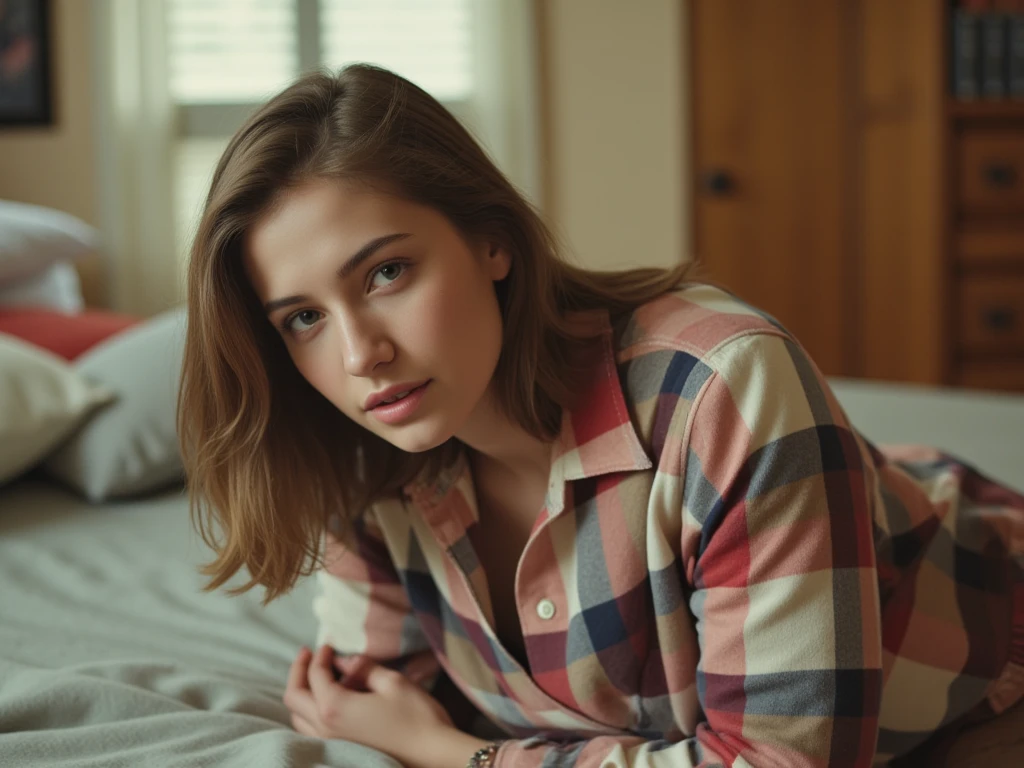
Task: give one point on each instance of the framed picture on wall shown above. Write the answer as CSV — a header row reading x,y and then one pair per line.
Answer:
x,y
25,92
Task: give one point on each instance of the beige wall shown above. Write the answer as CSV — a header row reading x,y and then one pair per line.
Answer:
x,y
613,77
55,166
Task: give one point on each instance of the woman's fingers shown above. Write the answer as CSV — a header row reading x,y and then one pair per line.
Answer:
x,y
380,679
363,673
420,667
353,670
297,694
297,672
301,725
327,693
301,703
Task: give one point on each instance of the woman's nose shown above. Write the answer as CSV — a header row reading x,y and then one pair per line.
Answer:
x,y
364,346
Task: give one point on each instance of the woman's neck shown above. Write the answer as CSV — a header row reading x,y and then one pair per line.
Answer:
x,y
503,448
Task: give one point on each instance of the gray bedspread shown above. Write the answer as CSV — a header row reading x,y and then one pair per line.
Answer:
x,y
110,655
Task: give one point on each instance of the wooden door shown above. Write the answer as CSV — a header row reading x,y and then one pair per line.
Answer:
x,y
905,322
772,217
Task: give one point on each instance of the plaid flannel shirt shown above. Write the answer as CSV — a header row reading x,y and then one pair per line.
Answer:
x,y
724,571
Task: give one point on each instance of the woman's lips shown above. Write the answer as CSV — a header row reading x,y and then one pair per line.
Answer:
x,y
400,410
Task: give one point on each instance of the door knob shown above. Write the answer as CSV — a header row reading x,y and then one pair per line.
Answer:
x,y
719,182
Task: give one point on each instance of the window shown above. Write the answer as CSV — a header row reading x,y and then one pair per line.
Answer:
x,y
228,56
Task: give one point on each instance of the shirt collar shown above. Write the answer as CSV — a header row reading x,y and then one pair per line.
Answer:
x,y
597,435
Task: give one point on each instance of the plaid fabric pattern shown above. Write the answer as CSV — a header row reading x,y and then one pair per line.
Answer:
x,y
738,577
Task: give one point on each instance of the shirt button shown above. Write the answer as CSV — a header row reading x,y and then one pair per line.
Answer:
x,y
545,609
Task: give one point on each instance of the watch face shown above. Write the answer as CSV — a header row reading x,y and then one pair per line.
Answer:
x,y
484,757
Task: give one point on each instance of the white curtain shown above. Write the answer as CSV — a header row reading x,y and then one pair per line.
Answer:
x,y
505,109
137,134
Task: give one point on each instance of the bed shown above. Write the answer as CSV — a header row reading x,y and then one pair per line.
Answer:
x,y
110,655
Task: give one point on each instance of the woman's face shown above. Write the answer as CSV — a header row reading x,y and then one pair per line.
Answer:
x,y
371,292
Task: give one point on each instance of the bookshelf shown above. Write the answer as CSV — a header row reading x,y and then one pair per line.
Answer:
x,y
984,223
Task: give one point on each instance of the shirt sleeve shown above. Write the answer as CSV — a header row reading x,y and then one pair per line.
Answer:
x,y
362,607
778,559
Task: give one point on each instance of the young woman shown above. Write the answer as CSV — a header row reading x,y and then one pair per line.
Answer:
x,y
623,513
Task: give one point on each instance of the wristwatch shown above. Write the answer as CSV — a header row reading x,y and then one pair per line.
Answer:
x,y
484,757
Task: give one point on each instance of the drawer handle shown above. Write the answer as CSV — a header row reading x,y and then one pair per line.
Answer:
x,y
999,319
1000,175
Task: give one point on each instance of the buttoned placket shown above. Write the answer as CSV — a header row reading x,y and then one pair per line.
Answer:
x,y
448,532
435,507
534,606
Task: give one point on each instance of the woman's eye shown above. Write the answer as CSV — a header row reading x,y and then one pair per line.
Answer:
x,y
302,321
389,272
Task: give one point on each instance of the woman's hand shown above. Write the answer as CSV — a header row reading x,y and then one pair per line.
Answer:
x,y
373,705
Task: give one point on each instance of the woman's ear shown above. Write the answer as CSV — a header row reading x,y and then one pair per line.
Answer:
x,y
499,262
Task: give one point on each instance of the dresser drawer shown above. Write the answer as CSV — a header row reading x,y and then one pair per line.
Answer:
x,y
990,247
991,313
1006,374
991,171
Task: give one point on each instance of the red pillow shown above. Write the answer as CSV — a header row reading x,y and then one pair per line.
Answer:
x,y
65,335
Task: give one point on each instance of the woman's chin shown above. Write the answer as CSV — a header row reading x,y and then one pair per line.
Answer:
x,y
417,439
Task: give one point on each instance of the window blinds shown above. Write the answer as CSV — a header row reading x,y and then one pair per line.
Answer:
x,y
230,51
243,51
426,42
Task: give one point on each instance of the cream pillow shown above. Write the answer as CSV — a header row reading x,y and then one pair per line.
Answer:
x,y
131,447
42,400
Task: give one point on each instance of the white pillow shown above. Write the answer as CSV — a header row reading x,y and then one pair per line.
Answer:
x,y
56,287
132,446
33,237
42,400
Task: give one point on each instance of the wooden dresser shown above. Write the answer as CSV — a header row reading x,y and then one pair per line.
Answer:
x,y
987,231
838,184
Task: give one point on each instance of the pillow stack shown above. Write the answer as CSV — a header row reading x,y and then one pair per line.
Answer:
x,y
87,397
103,422
38,247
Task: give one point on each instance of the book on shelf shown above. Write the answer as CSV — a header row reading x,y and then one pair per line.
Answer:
x,y
987,49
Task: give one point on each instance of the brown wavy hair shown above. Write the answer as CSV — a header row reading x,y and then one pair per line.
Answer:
x,y
268,459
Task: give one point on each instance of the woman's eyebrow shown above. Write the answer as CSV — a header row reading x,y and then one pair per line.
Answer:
x,y
367,251
346,269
